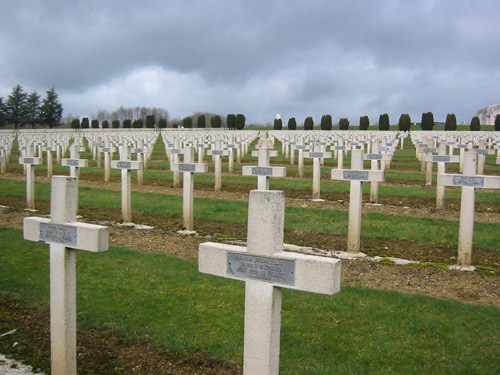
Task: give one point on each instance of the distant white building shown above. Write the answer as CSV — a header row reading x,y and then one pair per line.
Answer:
x,y
487,115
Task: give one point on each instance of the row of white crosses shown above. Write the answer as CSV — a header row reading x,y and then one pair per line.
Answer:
x,y
6,142
263,265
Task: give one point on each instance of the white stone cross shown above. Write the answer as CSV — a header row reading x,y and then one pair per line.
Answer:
x,y
188,167
217,152
356,175
375,157
74,161
29,162
339,151
301,147
317,156
126,165
65,236
481,156
469,181
174,150
4,154
108,151
48,149
266,269
263,170
441,159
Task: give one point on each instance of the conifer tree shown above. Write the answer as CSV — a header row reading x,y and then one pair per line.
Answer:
x,y
309,123
474,124
364,123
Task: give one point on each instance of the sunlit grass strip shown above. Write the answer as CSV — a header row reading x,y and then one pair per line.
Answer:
x,y
358,331
375,225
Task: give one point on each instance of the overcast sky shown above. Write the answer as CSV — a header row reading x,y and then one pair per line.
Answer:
x,y
257,57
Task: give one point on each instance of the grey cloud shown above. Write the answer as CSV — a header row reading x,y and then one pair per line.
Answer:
x,y
351,56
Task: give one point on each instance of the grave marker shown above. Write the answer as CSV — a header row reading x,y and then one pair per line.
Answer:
x,y
263,170
469,181
188,168
126,165
217,152
356,175
29,162
375,157
65,236
441,159
316,156
74,161
108,151
266,269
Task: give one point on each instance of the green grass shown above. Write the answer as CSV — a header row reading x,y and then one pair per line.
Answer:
x,y
358,331
374,225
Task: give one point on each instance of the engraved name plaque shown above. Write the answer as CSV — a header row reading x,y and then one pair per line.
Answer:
x,y
482,152
374,157
29,161
217,152
315,154
339,148
468,181
55,233
262,171
106,149
429,149
356,175
73,162
124,165
440,158
187,167
138,150
273,270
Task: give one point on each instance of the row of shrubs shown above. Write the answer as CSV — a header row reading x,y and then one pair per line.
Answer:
x,y
232,122
404,124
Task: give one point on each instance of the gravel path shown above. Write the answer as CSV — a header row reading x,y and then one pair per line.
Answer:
x,y
11,367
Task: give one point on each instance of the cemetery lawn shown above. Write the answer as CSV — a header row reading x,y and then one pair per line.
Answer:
x,y
153,313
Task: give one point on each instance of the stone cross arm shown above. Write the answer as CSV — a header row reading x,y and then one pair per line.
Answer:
x,y
67,162
30,160
189,167
383,157
73,235
129,164
285,270
442,158
263,171
477,181
317,154
108,149
272,153
217,152
354,175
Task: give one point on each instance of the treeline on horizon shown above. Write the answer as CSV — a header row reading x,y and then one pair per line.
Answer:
x,y
28,109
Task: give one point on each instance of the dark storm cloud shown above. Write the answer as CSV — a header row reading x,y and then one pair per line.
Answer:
x,y
348,58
